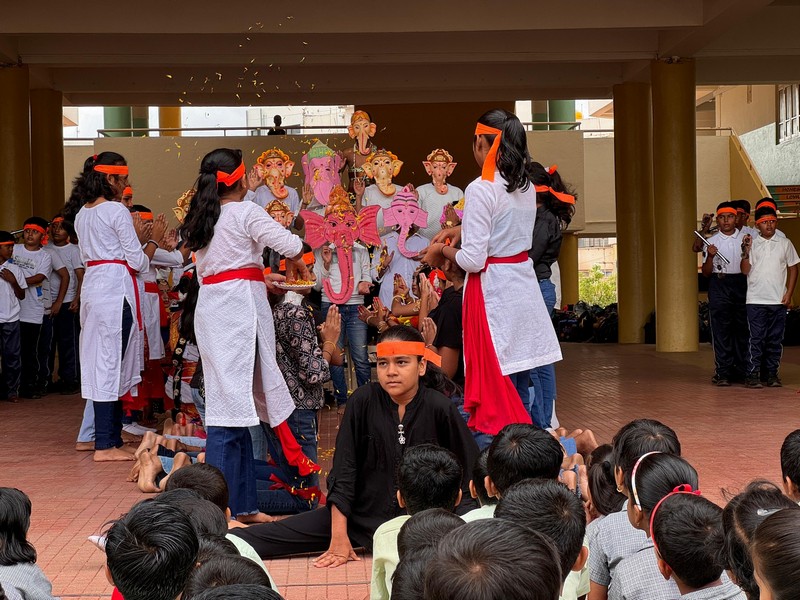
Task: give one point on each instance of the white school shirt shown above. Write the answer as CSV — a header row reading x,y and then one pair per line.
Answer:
x,y
400,264
769,260
70,255
9,303
434,202
32,263
373,196
730,246
754,232
49,294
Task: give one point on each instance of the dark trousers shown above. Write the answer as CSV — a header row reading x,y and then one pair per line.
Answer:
x,y
11,361
44,377
230,449
29,343
66,330
767,324
729,332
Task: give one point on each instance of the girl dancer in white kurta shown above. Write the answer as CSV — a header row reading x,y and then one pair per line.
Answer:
x,y
507,329
234,326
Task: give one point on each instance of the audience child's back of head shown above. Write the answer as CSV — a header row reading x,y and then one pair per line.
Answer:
x,y
652,477
207,480
551,509
740,518
151,551
776,555
639,437
605,499
224,570
790,465
477,486
213,546
239,592
522,451
15,520
429,476
493,559
205,516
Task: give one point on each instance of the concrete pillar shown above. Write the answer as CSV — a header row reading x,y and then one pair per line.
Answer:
x,y
47,151
568,263
169,116
561,110
117,117
140,119
15,147
633,171
539,114
675,204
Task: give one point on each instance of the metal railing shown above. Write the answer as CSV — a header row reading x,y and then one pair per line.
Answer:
x,y
251,131
529,126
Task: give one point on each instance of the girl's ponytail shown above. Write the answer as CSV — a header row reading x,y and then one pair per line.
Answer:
x,y
90,185
513,158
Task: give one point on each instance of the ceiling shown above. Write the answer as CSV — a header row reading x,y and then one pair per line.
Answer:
x,y
173,53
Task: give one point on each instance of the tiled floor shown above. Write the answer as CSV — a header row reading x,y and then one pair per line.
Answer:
x,y
731,435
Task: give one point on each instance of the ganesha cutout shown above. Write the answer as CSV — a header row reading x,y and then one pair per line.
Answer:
x,y
405,213
275,167
321,167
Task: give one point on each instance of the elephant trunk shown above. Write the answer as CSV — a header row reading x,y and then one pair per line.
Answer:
x,y
345,259
401,243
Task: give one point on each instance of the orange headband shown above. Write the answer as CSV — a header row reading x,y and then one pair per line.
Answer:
x,y
490,164
766,218
147,216
112,169
410,349
230,178
6,243
128,191
57,220
771,205
726,211
566,198
552,169
41,230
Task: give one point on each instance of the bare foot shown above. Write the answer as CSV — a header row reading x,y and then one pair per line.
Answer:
x,y
84,446
112,454
168,427
129,438
259,517
560,432
129,449
133,475
147,476
201,458
586,442
148,441
233,524
181,460
171,445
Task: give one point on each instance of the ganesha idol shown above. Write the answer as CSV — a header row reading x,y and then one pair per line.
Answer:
x,y
321,167
342,228
274,167
434,196
382,166
361,130
405,214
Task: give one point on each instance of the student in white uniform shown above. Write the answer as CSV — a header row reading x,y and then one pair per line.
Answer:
x,y
234,325
12,291
110,307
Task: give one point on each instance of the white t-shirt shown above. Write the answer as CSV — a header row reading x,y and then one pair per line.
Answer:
x,y
33,263
753,231
434,202
769,260
70,255
9,303
49,296
729,246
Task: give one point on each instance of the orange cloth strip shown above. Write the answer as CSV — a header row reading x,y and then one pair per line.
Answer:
x,y
740,210
147,216
566,198
230,178
151,287
112,169
769,204
552,169
6,243
35,228
490,164
117,261
766,218
57,220
128,191
726,211
409,348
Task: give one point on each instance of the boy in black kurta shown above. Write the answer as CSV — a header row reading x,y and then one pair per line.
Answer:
x,y
377,428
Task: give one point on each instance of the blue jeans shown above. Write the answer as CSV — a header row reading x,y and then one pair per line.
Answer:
x,y
484,440
11,363
522,381
544,378
231,451
354,333
107,425
199,404
259,441
66,329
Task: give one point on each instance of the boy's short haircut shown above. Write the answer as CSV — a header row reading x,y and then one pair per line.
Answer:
x,y
727,204
151,551
741,204
637,438
5,236
687,530
479,473
425,529
239,592
550,508
206,517
766,211
494,559
224,570
521,451
36,221
429,476
213,546
790,457
207,480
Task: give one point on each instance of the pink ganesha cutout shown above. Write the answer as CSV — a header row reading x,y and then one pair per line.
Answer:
x,y
342,227
405,213
321,167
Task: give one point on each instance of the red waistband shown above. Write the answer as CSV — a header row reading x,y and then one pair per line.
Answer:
x,y
119,261
249,273
116,261
151,287
517,258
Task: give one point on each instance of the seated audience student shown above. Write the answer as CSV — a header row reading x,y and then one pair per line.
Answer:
x,y
409,405
213,546
790,465
653,477
12,291
549,508
740,518
150,552
604,499
776,555
221,571
18,568
770,263
8,592
615,538
687,538
417,542
494,559
239,591
477,489
428,477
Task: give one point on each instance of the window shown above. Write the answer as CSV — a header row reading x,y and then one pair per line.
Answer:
x,y
788,112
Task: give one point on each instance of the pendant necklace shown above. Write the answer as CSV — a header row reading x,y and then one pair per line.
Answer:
x,y
401,438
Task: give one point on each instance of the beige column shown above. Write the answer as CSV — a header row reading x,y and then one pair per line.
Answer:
x,y
47,152
15,147
568,264
169,116
633,174
675,204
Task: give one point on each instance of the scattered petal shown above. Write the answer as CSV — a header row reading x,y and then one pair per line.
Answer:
x,y
304,58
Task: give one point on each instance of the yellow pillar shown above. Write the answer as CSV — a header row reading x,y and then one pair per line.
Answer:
x,y
47,150
633,171
675,204
568,264
169,116
15,147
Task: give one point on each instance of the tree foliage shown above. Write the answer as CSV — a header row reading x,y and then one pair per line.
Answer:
x,y
595,287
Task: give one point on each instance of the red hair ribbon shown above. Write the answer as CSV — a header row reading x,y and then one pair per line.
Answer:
x,y
230,178
436,274
94,157
385,349
766,218
38,228
112,169
490,164
128,191
726,210
552,169
684,488
561,196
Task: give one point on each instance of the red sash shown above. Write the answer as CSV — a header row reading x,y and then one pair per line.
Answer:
x,y
151,287
94,263
489,397
249,273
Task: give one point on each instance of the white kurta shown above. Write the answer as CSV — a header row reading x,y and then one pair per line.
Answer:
x,y
498,224
106,233
151,309
233,321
